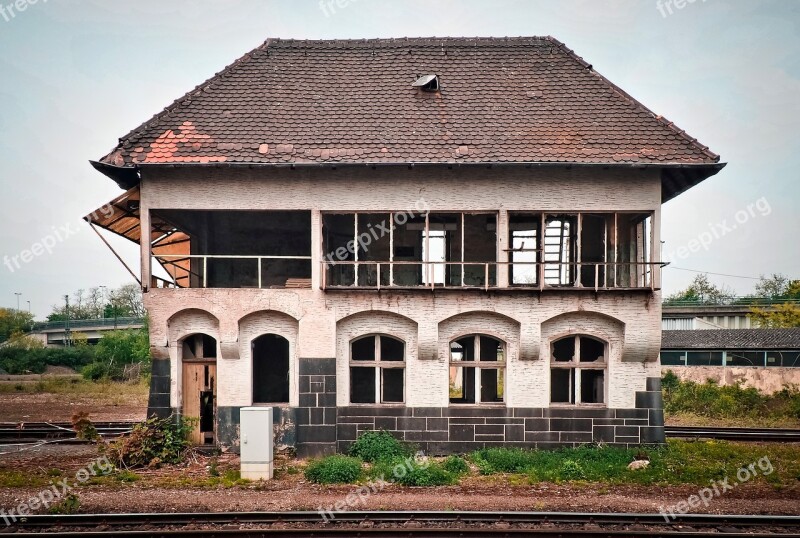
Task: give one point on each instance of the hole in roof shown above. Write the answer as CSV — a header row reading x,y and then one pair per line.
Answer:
x,y
427,83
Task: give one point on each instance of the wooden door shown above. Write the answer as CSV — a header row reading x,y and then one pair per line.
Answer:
x,y
199,400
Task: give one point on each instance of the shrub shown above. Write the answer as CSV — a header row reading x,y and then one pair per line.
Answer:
x,y
455,465
504,460
151,443
373,446
68,505
84,427
335,469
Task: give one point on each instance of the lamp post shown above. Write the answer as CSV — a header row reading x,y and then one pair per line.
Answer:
x,y
104,288
18,296
67,333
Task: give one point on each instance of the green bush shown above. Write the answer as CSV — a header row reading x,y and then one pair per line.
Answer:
x,y
455,465
22,359
151,443
374,446
335,469
504,460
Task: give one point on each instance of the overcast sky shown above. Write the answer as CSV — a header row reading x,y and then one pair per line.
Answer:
x,y
75,75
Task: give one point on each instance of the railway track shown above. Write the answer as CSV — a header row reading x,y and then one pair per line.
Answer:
x,y
33,432
734,434
443,524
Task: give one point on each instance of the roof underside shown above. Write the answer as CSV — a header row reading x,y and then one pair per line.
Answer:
x,y
501,100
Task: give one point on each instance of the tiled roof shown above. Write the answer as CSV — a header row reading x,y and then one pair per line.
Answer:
x,y
351,101
732,339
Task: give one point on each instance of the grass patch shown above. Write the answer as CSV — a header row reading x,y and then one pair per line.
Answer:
x,y
678,463
408,471
20,479
107,391
335,469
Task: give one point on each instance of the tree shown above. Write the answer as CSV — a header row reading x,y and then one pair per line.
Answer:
x,y
13,321
781,316
702,291
126,301
772,287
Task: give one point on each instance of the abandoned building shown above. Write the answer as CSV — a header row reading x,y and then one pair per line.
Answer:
x,y
455,240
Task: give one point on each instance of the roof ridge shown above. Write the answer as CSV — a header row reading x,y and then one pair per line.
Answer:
x,y
658,117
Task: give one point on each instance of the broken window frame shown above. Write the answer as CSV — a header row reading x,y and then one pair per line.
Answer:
x,y
378,365
575,366
433,273
500,366
614,271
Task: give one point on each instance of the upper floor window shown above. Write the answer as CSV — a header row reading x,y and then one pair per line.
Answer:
x,y
477,370
577,370
410,249
377,369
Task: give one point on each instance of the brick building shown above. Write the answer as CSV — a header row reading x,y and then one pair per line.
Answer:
x,y
451,239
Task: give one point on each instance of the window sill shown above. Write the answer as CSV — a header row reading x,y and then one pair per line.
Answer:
x,y
579,405
388,404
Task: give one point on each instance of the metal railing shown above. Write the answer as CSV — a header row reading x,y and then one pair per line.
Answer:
x,y
730,301
200,270
87,323
535,275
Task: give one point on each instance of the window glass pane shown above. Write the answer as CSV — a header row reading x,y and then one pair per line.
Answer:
x,y
564,349
363,349
788,359
456,351
362,385
392,349
745,358
492,385
466,349
491,349
559,250
592,390
704,358
462,385
480,245
673,358
562,381
392,384
592,350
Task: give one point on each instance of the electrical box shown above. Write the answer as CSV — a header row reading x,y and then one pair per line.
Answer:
x,y
256,440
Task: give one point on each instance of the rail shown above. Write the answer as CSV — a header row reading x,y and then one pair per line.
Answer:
x,y
85,323
201,272
405,523
529,275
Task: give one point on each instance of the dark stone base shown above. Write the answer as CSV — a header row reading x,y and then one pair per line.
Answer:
x,y
158,401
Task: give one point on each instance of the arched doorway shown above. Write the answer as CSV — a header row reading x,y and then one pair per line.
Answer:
x,y
270,369
199,386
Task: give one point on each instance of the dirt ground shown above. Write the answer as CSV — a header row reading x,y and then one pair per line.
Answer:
x,y
48,407
161,491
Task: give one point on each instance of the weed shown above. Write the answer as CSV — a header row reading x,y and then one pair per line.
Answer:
x,y
456,465
151,443
335,469
68,505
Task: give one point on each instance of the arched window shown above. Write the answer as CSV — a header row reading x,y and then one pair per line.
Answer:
x,y
477,370
377,369
270,369
577,370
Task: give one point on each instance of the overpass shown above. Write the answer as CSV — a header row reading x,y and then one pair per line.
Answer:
x,y
54,333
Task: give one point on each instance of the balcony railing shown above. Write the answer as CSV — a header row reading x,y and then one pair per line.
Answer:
x,y
530,275
216,271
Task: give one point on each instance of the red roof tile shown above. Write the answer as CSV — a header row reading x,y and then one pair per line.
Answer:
x,y
501,100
